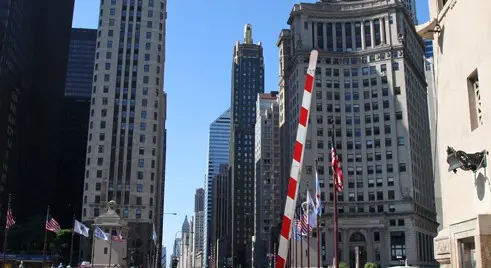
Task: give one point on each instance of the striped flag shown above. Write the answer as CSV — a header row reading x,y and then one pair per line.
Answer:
x,y
10,219
304,224
336,168
118,238
52,225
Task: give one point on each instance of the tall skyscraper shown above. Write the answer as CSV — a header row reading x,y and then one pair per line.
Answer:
x,y
80,69
75,125
164,258
218,154
247,83
199,200
186,251
284,48
199,226
370,79
411,7
125,145
34,38
267,185
220,233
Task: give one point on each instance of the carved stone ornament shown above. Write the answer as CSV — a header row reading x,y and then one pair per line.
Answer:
x,y
442,248
111,206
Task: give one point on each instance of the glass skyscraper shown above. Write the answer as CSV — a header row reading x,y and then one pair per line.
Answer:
x,y
218,153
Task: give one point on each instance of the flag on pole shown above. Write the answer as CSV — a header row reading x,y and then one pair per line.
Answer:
x,y
119,237
336,168
80,229
304,220
312,215
99,233
318,206
10,219
52,225
154,235
296,230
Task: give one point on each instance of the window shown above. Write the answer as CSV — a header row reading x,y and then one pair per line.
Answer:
x,y
139,188
397,246
400,141
402,167
138,213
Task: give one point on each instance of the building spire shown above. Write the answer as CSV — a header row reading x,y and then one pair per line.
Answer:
x,y
248,34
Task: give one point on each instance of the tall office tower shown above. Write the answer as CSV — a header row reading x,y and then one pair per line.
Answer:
x,y
164,258
247,83
199,200
199,224
34,38
75,124
411,7
220,219
284,48
218,154
267,184
370,79
176,251
186,244
428,48
126,130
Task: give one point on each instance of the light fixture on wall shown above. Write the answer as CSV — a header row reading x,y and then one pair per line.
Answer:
x,y
465,161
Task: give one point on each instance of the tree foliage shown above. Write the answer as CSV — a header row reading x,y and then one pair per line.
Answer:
x,y
60,245
342,264
370,265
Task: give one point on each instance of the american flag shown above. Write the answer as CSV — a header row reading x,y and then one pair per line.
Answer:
x,y
10,219
118,237
304,223
336,168
53,226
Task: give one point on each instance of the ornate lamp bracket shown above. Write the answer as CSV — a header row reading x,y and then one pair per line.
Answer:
x,y
466,161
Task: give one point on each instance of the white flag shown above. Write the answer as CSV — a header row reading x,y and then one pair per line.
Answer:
x,y
154,235
80,229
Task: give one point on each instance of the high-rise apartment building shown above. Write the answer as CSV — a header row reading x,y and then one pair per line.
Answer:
x,y
267,185
199,225
126,129
34,41
462,67
218,154
247,83
370,79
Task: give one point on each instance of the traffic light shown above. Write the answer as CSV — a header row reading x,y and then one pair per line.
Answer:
x,y
174,263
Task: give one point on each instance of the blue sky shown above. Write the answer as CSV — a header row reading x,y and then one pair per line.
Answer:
x,y
200,39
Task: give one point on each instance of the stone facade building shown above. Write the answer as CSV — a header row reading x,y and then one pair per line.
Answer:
x,y
462,68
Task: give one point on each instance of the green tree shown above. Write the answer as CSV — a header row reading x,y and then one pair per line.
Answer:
x,y
342,264
370,265
60,245
27,237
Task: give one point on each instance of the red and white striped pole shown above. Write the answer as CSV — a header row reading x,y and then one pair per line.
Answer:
x,y
298,150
